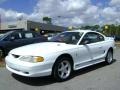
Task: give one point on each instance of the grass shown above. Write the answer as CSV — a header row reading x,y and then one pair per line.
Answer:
x,y
2,63
117,43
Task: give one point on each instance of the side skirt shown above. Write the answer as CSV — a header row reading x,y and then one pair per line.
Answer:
x,y
88,63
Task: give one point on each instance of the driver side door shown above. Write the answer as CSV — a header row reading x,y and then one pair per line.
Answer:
x,y
95,44
12,41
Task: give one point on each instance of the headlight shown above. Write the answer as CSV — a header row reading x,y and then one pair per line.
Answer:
x,y
31,59
38,59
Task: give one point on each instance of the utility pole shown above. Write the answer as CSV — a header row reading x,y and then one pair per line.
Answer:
x,y
59,17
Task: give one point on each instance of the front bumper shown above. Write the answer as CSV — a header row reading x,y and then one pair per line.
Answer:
x,y
28,69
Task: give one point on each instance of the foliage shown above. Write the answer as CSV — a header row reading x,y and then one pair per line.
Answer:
x,y
2,63
48,20
111,30
94,27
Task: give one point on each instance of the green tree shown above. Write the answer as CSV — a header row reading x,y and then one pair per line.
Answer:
x,y
92,27
48,20
96,27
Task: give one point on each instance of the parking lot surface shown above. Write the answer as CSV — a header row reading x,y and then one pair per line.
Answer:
x,y
96,77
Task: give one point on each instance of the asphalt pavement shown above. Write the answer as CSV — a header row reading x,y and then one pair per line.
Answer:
x,y
96,77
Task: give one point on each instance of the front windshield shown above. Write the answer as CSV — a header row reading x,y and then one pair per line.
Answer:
x,y
2,36
67,37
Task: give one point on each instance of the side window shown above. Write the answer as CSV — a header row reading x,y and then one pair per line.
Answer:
x,y
101,38
15,36
35,34
93,37
28,35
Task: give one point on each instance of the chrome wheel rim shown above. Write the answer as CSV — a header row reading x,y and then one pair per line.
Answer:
x,y
109,57
64,69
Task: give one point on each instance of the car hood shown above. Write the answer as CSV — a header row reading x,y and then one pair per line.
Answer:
x,y
42,48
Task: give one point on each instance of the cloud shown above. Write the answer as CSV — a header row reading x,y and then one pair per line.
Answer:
x,y
1,1
111,15
69,12
115,3
10,15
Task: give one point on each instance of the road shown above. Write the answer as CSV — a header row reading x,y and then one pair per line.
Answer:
x,y
97,77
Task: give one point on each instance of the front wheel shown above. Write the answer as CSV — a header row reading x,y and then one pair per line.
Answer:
x,y
109,57
62,69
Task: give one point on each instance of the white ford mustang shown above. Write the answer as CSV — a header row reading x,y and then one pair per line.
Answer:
x,y
68,51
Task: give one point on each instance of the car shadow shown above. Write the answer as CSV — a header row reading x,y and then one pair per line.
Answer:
x,y
90,68
34,81
42,81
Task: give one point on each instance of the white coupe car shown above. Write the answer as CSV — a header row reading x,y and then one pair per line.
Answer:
x,y
68,51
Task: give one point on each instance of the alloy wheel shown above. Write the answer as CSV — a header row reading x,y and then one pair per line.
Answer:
x,y
64,69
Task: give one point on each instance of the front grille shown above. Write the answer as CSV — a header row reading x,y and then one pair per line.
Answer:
x,y
15,56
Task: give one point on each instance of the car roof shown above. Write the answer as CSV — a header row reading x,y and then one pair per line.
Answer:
x,y
79,30
85,31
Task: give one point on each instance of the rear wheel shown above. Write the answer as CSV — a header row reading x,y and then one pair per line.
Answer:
x,y
62,69
109,57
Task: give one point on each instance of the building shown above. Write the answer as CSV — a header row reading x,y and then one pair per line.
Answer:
x,y
30,25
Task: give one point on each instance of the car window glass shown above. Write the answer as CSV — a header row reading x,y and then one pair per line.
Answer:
x,y
101,38
28,35
35,34
67,37
93,37
14,36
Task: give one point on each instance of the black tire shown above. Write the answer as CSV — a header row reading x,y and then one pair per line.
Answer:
x,y
2,53
60,69
109,57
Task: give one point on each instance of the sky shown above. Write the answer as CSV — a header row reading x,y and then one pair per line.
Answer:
x,y
62,12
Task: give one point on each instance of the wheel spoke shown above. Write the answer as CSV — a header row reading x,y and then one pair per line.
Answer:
x,y
62,64
109,57
64,69
66,66
59,69
62,74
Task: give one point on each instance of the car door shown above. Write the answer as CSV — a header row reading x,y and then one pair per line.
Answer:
x,y
95,45
83,56
12,41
